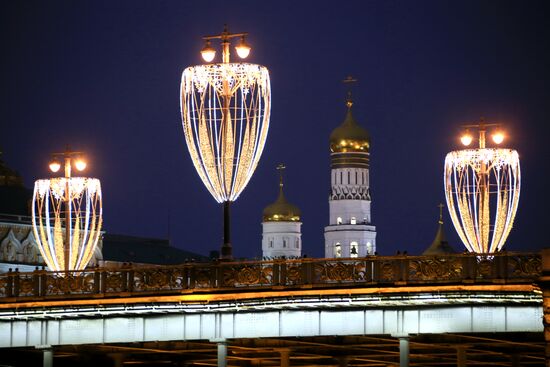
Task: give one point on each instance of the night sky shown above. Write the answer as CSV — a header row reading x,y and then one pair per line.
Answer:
x,y
104,76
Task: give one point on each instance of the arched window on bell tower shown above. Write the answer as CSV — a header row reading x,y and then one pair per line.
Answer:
x,y
338,250
353,249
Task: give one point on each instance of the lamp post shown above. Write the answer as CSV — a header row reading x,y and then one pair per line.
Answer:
x,y
72,202
479,183
225,111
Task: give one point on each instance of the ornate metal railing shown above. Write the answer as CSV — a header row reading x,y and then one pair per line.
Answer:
x,y
11,218
222,276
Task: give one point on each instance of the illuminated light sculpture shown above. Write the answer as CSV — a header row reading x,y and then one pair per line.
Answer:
x,y
67,216
225,110
482,188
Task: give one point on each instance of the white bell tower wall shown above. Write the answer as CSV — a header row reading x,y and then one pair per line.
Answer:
x,y
281,239
350,232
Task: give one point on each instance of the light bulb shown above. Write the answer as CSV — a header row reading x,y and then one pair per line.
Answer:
x,y
207,52
55,166
243,49
466,138
498,137
80,164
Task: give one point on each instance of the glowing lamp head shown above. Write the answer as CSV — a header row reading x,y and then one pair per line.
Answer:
x,y
498,137
55,165
466,138
243,49
80,164
208,52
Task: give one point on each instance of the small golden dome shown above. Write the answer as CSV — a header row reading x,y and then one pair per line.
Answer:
x,y
349,136
281,210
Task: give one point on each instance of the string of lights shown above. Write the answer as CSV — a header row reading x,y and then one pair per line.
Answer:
x,y
482,190
225,150
67,217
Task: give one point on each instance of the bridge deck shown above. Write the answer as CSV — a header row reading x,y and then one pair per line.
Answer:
x,y
261,308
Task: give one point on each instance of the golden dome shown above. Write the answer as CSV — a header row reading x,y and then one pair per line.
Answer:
x,y
349,136
281,210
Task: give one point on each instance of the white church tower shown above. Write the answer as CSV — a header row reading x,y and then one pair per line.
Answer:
x,y
282,236
350,232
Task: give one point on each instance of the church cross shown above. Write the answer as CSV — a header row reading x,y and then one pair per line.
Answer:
x,y
281,167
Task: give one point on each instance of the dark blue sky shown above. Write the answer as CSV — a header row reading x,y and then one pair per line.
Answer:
x,y
104,76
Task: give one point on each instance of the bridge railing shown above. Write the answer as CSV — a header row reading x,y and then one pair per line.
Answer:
x,y
365,272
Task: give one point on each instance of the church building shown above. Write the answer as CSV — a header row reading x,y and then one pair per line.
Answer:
x,y
281,235
350,232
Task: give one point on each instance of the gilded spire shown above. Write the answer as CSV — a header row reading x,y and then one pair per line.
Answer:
x,y
281,167
349,82
349,137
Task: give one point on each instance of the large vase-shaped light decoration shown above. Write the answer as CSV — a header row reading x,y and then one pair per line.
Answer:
x,y
67,219
225,111
482,188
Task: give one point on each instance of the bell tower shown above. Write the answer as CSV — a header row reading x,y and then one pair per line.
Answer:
x,y
350,232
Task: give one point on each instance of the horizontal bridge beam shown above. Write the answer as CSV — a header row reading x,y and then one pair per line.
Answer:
x,y
388,296
97,329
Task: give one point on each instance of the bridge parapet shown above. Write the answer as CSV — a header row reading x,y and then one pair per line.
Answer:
x,y
372,271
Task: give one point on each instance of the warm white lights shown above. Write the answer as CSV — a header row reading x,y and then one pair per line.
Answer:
x,y
482,188
243,49
208,53
55,166
225,111
466,138
80,164
498,137
67,216
49,222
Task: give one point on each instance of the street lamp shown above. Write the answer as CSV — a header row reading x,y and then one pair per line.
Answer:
x,y
225,110
67,214
209,53
482,188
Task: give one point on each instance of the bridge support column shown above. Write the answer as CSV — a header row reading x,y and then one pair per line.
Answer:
x,y
47,355
343,361
222,352
516,360
118,359
404,351
285,356
461,356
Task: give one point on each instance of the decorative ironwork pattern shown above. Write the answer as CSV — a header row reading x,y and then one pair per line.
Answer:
x,y
370,271
437,267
